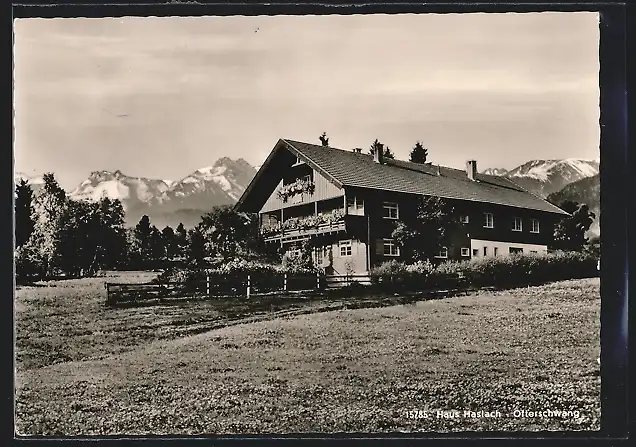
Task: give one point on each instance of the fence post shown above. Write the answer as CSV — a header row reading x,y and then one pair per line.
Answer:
x,y
207,285
248,285
285,282
318,280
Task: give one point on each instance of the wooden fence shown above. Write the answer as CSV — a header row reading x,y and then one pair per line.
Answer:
x,y
234,286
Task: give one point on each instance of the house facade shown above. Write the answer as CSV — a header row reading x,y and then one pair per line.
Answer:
x,y
346,205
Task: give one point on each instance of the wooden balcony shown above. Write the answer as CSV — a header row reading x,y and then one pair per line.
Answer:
x,y
299,234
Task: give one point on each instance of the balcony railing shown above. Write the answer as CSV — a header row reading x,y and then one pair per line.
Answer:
x,y
302,227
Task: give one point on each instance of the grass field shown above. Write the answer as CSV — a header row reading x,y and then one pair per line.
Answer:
x,y
86,369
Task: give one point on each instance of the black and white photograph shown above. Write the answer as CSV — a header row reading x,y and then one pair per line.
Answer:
x,y
307,224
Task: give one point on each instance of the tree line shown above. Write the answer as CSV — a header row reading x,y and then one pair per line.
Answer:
x,y
56,235
59,236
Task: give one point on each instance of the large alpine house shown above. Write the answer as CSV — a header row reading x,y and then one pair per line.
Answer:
x,y
346,204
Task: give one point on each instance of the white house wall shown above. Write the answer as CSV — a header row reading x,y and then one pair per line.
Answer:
x,y
503,248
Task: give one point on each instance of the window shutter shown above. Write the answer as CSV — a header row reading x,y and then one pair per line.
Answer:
x,y
379,247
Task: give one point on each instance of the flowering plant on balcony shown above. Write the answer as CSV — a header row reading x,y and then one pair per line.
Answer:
x,y
300,186
304,223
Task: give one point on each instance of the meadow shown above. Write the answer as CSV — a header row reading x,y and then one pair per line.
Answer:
x,y
305,366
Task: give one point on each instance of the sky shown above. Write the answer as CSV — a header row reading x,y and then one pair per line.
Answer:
x,y
160,97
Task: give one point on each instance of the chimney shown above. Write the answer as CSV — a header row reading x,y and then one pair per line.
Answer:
x,y
438,171
471,169
378,156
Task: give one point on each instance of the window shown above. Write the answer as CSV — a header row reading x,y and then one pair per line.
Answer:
x,y
345,248
391,210
488,220
391,248
485,251
533,251
355,206
516,224
514,250
465,251
495,251
535,226
464,219
443,253
475,252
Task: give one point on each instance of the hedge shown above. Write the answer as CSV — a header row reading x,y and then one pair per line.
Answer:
x,y
503,271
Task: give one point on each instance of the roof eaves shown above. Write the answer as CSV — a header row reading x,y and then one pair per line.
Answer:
x,y
351,185
560,211
258,175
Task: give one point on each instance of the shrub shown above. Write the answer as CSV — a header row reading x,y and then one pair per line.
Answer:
x,y
297,263
449,274
181,275
28,264
504,271
527,269
388,269
386,273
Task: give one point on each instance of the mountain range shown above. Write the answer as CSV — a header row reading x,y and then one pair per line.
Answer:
x,y
166,202
169,202
544,177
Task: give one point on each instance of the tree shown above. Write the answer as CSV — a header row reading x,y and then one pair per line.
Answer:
x,y
113,244
23,211
133,258
156,246
48,207
143,232
376,145
228,233
181,239
169,242
196,247
436,222
386,152
418,154
569,233
80,239
324,140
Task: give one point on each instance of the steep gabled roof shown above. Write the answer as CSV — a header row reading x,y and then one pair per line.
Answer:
x,y
348,168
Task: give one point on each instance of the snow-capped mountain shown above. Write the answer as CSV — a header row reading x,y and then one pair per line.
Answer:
x,y
187,199
226,175
116,185
544,177
169,202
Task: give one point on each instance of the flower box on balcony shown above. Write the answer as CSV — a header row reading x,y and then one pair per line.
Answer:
x,y
304,223
300,186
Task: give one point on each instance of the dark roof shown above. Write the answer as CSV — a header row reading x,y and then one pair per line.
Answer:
x,y
348,168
